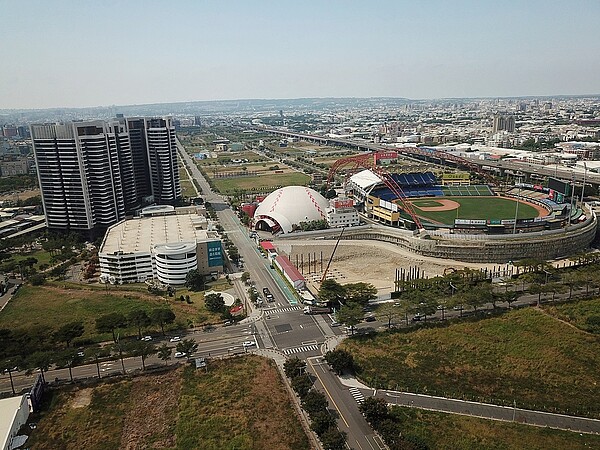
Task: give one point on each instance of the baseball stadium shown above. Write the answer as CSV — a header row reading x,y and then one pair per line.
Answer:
x,y
421,200
461,216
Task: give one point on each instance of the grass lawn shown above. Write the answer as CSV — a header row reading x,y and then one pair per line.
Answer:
x,y
239,403
454,432
576,313
42,256
268,181
56,304
476,208
525,355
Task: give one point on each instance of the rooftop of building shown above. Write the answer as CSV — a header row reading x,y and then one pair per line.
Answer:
x,y
140,235
8,410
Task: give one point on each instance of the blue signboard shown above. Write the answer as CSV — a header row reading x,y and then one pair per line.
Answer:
x,y
215,253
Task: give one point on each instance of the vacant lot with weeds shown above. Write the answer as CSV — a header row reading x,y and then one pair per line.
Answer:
x,y
455,432
56,304
238,403
525,356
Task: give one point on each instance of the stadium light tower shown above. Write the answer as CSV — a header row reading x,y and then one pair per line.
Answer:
x,y
517,208
583,185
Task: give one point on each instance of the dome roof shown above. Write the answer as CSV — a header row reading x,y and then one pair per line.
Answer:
x,y
291,205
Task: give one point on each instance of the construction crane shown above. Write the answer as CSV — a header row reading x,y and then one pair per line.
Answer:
x,y
331,257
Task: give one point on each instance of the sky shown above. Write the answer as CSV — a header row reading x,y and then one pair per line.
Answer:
x,y
77,53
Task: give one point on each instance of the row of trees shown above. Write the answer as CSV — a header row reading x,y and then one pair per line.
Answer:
x,y
379,415
137,318
322,422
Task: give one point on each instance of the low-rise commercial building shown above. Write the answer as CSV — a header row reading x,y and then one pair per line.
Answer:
x,y
164,247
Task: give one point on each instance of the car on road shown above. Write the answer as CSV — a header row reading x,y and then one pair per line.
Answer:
x,y
335,324
417,318
180,355
227,323
370,319
175,339
248,344
146,338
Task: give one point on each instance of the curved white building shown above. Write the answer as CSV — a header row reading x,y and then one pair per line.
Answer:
x,y
288,206
172,262
164,247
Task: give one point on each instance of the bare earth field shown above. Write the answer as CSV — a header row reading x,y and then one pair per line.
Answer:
x,y
369,261
22,195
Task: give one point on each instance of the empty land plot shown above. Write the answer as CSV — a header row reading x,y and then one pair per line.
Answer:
x,y
525,356
238,403
455,432
577,313
477,208
263,182
51,306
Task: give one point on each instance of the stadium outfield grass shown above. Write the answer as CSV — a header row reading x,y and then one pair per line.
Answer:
x,y
494,208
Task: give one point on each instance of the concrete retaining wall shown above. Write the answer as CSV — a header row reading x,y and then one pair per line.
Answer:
x,y
474,248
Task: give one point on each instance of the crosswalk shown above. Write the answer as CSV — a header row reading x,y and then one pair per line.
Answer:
x,y
357,395
304,348
282,310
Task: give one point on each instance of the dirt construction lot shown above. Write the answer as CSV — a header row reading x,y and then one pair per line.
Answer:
x,y
369,261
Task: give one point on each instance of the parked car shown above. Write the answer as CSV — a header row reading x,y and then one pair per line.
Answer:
x,y
370,319
175,339
146,338
248,344
180,355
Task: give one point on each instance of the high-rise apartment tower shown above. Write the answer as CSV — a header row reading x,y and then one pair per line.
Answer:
x,y
94,173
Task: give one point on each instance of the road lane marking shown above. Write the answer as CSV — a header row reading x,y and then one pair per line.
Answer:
x,y
330,397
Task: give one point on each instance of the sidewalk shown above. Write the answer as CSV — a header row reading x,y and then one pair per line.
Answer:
x,y
488,411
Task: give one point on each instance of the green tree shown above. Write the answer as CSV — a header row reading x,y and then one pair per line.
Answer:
x,y
340,360
108,323
332,292
42,361
375,410
214,302
194,281
321,422
390,312
302,384
350,315
187,346
293,367
10,365
333,439
69,331
164,353
536,288
138,318
142,349
245,277
69,358
360,293
314,402
162,317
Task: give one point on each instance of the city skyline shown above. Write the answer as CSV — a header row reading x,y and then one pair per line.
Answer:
x,y
63,54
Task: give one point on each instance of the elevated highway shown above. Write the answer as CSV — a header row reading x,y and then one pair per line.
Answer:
x,y
526,170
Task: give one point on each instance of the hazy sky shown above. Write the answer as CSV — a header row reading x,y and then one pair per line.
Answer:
x,y
94,52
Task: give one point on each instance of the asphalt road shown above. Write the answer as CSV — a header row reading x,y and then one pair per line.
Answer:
x,y
351,421
506,413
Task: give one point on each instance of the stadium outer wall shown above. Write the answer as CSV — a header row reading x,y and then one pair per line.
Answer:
x,y
542,245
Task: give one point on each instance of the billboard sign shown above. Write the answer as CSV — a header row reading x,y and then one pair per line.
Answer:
x,y
215,253
347,203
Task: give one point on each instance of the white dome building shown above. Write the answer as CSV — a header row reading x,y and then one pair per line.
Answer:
x,y
288,206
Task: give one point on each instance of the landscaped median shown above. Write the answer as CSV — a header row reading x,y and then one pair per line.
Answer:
x,y
525,356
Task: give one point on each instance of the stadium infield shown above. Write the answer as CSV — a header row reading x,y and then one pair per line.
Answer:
x,y
446,209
